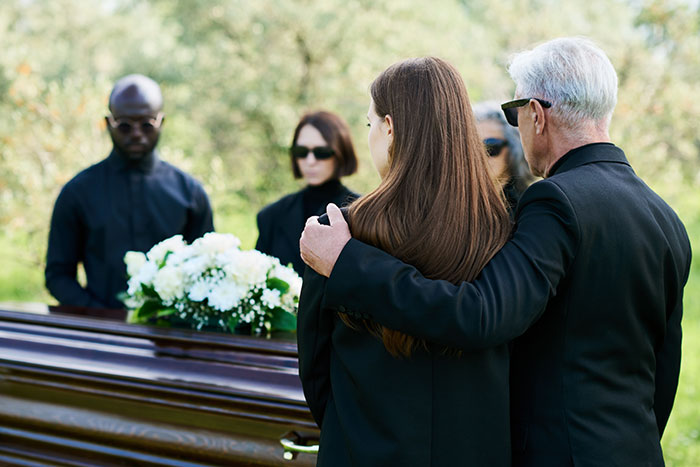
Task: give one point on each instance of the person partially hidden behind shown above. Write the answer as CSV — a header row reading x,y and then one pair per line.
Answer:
x,y
590,283
321,153
129,201
506,158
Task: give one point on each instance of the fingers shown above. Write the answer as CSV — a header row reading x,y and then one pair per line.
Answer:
x,y
334,215
312,220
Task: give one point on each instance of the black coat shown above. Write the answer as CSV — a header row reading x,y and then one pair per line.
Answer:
x,y
280,224
593,276
434,408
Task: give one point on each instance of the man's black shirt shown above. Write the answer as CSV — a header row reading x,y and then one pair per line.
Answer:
x,y
113,207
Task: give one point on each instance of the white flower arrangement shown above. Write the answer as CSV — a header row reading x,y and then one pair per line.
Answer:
x,y
211,284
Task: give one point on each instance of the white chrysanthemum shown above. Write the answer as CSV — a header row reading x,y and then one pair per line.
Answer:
x,y
181,256
134,260
271,298
158,252
226,295
168,283
290,276
200,290
226,260
249,268
133,286
195,266
213,243
146,273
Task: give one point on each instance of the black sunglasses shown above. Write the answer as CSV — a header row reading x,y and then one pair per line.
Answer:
x,y
494,146
510,109
127,125
320,152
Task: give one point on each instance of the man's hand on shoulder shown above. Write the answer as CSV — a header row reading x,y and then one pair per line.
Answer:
x,y
321,245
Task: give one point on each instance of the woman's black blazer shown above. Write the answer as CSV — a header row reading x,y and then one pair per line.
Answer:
x,y
280,225
431,409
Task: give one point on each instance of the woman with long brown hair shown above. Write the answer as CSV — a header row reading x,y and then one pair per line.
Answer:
x,y
379,396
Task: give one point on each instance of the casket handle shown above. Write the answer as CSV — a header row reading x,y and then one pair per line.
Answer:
x,y
291,448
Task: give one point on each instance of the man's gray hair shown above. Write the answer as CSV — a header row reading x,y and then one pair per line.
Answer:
x,y
573,74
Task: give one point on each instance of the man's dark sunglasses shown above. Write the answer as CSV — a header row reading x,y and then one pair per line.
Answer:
x,y
126,125
494,146
320,152
510,109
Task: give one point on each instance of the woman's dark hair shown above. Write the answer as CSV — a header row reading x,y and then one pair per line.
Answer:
x,y
437,208
518,170
337,134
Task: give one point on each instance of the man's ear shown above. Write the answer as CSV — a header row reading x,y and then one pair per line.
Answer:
x,y
538,116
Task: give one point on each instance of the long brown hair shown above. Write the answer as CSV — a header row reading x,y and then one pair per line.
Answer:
x,y
437,207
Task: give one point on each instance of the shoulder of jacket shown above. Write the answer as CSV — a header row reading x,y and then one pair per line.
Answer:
x,y
281,204
86,176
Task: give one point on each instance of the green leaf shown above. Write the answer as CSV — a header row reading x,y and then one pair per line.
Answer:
x,y
277,284
166,312
147,310
149,291
283,320
165,259
232,322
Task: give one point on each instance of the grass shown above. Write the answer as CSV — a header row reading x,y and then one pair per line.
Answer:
x,y
681,440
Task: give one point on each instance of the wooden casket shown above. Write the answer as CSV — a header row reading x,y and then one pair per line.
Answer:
x,y
83,390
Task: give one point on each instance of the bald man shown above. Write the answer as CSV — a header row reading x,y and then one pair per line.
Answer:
x,y
129,201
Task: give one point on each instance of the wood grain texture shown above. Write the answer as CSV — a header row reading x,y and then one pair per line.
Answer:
x,y
81,390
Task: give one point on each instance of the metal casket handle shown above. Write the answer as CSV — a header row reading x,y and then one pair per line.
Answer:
x,y
291,448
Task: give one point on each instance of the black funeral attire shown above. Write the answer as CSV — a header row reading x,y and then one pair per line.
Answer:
x,y
280,224
592,282
512,192
434,408
110,208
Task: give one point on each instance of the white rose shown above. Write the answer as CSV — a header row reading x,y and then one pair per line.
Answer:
x,y
134,260
169,285
212,243
146,273
249,268
290,276
158,252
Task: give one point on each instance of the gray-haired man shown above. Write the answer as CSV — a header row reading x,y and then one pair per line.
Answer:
x,y
591,281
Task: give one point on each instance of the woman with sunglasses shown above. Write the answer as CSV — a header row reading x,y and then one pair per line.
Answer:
x,y
321,153
382,397
506,158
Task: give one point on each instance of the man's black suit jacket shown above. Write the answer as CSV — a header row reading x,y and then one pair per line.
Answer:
x,y
592,282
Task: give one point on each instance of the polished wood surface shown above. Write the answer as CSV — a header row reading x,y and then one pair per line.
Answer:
x,y
79,388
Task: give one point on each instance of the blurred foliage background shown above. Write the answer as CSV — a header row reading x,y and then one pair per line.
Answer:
x,y
237,75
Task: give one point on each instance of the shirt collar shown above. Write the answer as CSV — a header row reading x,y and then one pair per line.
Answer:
x,y
120,163
587,154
